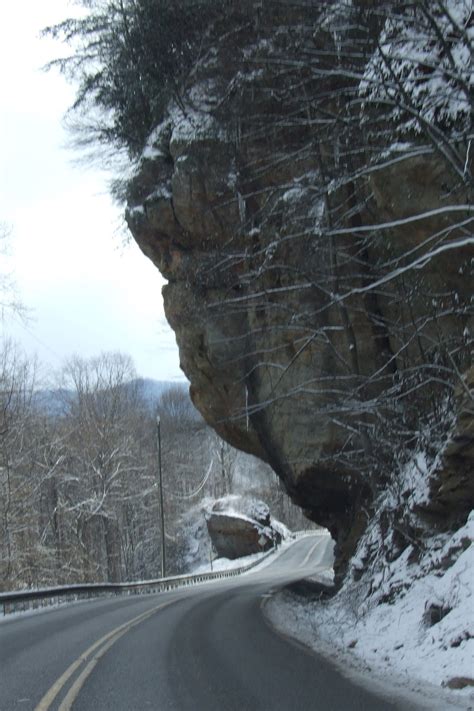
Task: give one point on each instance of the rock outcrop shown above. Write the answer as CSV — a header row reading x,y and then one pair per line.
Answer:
x,y
238,527
319,304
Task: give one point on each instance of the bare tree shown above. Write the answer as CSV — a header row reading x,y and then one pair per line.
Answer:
x,y
19,546
10,302
103,475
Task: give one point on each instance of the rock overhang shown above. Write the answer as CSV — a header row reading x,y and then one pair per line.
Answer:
x,y
239,217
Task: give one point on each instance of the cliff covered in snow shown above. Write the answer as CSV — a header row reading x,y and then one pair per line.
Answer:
x,y
308,197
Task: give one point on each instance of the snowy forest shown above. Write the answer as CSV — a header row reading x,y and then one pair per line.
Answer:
x,y
79,491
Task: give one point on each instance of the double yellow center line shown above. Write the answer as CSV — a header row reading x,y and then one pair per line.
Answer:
x,y
92,655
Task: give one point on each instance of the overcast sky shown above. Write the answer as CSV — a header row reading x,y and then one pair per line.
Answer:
x,y
87,292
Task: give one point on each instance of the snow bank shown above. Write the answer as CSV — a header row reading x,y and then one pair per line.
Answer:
x,y
413,625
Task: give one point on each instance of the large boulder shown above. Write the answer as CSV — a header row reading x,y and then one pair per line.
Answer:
x,y
239,527
236,537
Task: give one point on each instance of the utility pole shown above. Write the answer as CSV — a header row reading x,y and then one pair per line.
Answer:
x,y
162,510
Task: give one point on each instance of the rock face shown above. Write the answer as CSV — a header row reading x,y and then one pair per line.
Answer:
x,y
310,340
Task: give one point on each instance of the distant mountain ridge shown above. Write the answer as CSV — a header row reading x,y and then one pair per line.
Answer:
x,y
53,401
152,390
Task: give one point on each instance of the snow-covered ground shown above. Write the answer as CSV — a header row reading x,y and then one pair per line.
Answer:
x,y
412,629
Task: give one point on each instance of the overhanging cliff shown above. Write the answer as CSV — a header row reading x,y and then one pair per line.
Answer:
x,y
317,265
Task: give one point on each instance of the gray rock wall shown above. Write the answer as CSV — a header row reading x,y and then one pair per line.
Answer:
x,y
308,339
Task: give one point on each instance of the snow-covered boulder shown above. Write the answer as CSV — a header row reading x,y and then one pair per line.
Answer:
x,y
240,526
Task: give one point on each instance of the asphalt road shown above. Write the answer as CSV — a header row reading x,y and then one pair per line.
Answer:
x,y
207,648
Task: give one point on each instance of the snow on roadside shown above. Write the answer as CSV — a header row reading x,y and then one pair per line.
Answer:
x,y
415,627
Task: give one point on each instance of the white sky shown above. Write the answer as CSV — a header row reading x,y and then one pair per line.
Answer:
x,y
87,292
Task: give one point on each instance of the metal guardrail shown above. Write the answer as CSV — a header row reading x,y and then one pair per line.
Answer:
x,y
23,600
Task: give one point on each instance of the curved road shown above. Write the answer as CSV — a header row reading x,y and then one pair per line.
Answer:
x,y
207,648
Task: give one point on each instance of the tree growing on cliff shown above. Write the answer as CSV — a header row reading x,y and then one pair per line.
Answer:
x,y
129,58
